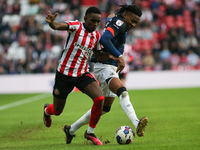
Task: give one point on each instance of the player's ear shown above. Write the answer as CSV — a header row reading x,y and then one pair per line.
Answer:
x,y
85,18
125,14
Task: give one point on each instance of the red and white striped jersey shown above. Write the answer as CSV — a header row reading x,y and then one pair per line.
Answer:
x,y
78,49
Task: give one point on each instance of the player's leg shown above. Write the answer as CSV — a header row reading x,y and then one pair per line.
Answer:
x,y
60,92
88,85
101,73
118,87
122,77
85,119
94,91
107,104
52,109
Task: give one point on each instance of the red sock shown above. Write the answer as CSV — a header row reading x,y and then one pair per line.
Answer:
x,y
96,111
51,111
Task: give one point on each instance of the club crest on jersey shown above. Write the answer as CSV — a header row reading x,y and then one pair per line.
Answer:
x,y
93,42
119,22
57,92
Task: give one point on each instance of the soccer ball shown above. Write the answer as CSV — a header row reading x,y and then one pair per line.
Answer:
x,y
125,135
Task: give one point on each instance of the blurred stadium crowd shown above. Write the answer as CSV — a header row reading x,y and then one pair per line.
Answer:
x,y
167,37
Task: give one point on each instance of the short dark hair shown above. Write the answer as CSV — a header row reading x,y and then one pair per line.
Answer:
x,y
130,8
92,10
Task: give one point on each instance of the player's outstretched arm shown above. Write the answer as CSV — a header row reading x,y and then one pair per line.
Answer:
x,y
54,24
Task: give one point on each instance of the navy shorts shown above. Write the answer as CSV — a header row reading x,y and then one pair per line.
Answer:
x,y
65,84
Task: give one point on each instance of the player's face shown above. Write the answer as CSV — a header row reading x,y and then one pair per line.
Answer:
x,y
92,21
131,20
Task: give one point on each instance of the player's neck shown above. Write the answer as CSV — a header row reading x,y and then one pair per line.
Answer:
x,y
87,28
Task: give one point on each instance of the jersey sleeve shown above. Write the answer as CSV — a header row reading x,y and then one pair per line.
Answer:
x,y
73,25
116,27
113,28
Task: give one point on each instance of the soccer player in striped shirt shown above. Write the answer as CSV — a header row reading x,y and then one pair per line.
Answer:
x,y
82,41
107,72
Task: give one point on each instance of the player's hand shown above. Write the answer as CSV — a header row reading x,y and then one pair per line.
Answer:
x,y
121,64
111,15
50,18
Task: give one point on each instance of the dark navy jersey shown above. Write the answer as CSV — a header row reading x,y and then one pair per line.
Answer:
x,y
118,28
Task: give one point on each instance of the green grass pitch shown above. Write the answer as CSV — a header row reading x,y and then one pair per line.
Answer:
x,y
174,122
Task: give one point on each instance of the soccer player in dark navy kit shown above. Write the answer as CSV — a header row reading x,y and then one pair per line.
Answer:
x,y
107,72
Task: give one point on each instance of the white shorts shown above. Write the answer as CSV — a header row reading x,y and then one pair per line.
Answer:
x,y
103,72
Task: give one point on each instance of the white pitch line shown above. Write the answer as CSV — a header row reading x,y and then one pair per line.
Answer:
x,y
24,101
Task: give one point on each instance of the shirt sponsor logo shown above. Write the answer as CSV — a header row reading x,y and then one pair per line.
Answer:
x,y
87,52
82,47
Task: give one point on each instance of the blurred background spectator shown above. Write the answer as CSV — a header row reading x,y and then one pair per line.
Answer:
x,y
166,38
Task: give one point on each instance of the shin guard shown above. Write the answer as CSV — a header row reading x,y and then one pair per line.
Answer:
x,y
96,111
